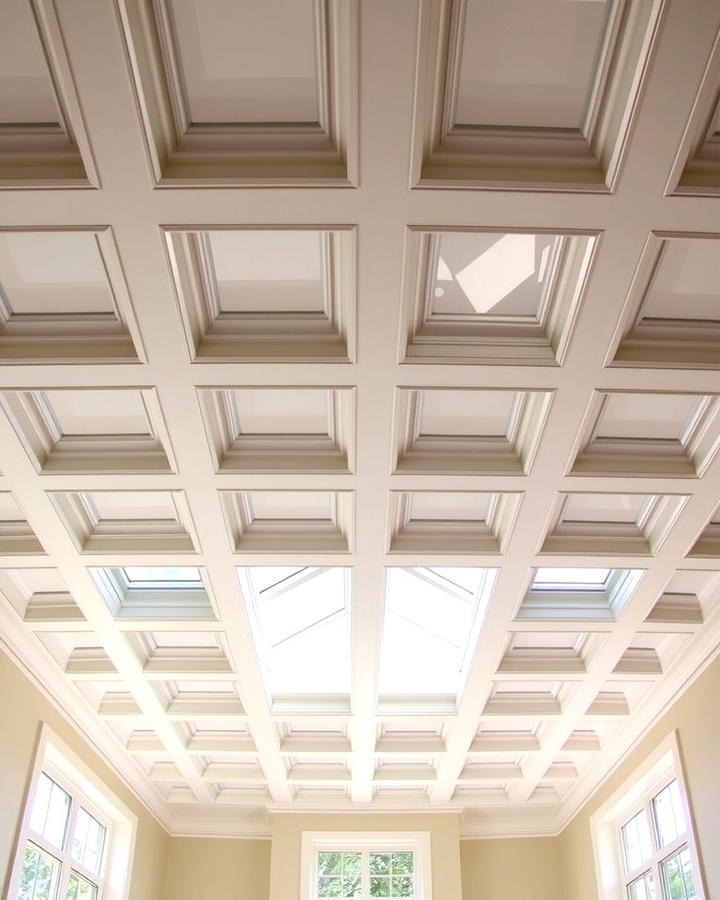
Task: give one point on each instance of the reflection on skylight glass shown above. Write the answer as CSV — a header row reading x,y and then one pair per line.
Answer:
x,y
570,577
161,575
429,617
302,619
491,273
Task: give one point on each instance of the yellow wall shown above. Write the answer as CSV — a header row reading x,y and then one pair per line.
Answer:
x,y
511,869
216,867
22,709
696,716
287,834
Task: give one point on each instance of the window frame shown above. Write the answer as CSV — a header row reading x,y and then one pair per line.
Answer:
x,y
56,759
365,842
63,855
636,795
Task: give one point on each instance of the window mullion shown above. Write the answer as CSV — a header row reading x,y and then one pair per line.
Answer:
x,y
63,880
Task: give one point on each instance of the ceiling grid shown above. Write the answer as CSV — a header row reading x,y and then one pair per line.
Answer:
x,y
366,436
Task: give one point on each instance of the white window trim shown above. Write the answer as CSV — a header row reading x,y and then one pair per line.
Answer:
x,y
658,769
55,757
416,841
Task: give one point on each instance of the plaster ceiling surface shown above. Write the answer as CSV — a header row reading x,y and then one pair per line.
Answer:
x,y
360,394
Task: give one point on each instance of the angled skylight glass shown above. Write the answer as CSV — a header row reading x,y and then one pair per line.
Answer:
x,y
570,578
162,577
300,622
491,273
432,619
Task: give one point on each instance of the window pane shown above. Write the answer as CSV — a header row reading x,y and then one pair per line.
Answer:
x,y
637,847
329,863
643,888
88,840
402,863
80,888
679,877
669,815
38,876
379,887
380,863
50,812
402,886
339,874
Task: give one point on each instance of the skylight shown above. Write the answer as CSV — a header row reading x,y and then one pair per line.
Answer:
x,y
431,619
570,579
165,577
300,618
481,273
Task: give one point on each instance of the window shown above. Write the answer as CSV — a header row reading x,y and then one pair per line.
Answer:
x,y
63,855
643,836
363,865
76,838
655,849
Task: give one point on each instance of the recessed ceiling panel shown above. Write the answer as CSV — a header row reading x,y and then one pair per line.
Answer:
x,y
255,62
687,282
51,272
268,271
529,63
26,88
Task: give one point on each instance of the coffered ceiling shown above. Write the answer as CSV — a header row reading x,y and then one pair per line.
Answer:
x,y
359,393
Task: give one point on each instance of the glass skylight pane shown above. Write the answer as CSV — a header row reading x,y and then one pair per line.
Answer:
x,y
303,628
489,274
428,620
669,815
529,63
546,578
161,575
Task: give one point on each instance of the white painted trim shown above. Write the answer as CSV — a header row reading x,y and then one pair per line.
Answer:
x,y
314,841
664,763
83,783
